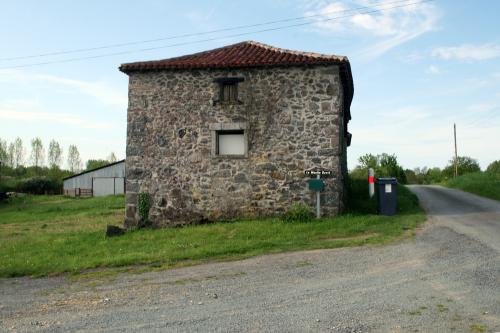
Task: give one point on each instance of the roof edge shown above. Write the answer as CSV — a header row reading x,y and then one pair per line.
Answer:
x,y
160,64
87,171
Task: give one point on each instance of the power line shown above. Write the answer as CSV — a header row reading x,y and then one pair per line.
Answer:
x,y
208,39
110,46
483,120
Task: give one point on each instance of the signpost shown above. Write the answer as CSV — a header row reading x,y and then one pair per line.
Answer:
x,y
317,184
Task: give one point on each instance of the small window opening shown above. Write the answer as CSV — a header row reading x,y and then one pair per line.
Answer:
x,y
228,89
230,142
229,92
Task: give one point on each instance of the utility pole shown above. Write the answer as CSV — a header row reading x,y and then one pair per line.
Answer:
x,y
456,156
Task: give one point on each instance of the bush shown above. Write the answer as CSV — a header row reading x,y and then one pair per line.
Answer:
x,y
40,185
465,165
144,204
358,199
494,167
298,213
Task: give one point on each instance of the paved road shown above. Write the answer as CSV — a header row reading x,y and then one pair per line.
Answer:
x,y
445,279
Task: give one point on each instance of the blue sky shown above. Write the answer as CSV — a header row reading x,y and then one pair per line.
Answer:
x,y
417,68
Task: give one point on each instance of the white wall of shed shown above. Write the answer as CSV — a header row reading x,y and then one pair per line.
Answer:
x,y
85,180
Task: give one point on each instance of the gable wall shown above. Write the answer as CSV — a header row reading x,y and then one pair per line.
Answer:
x,y
292,118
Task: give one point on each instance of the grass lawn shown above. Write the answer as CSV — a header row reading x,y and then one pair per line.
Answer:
x,y
47,235
481,183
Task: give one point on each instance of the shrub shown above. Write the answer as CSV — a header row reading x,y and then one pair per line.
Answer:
x,y
298,213
465,165
40,185
494,167
144,204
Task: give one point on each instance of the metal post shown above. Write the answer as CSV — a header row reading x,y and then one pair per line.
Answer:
x,y
456,155
371,182
318,199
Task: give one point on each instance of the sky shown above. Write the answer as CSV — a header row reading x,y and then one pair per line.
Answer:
x,y
418,67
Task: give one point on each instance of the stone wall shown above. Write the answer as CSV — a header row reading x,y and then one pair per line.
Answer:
x,y
292,118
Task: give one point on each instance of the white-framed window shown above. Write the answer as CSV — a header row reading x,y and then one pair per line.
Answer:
x,y
229,140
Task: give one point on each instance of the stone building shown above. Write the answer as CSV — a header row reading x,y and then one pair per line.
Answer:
x,y
230,132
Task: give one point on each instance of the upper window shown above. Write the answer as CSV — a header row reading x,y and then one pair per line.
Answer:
x,y
229,92
228,89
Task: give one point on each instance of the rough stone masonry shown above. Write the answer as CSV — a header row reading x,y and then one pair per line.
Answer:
x,y
293,119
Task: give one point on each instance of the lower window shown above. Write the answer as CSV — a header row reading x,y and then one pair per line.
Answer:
x,y
230,142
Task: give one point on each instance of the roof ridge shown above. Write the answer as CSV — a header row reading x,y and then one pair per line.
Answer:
x,y
283,50
241,54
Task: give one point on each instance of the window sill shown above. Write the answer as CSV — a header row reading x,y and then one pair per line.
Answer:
x,y
235,157
225,103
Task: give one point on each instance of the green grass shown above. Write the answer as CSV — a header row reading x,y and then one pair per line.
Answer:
x,y
481,183
48,235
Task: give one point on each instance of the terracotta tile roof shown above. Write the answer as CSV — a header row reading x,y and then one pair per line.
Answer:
x,y
244,54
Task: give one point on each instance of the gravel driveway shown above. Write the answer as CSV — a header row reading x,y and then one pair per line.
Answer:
x,y
445,279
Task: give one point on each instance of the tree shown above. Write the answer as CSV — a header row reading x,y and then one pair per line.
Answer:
x,y
412,177
368,161
465,165
37,154
10,155
55,154
94,164
384,165
3,152
494,167
17,153
433,175
112,158
74,161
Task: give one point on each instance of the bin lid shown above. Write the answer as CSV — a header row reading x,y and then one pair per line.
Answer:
x,y
387,180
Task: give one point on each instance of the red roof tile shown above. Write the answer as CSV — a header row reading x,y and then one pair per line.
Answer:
x,y
244,54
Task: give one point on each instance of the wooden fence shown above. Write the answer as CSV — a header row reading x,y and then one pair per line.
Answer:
x,y
78,192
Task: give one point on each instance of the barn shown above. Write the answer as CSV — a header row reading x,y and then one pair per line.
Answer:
x,y
230,133
105,180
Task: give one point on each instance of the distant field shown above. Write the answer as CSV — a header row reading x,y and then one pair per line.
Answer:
x,y
480,183
47,235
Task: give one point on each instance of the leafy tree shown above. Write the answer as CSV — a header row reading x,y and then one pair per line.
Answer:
x,y
55,154
112,158
74,161
412,177
465,165
17,153
94,164
3,152
384,165
37,154
10,155
494,167
433,175
368,161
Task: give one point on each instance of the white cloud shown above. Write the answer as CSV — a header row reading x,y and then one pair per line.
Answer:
x,y
99,90
468,52
390,27
423,136
432,69
30,111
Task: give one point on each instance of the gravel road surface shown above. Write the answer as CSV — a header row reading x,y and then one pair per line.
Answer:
x,y
446,279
